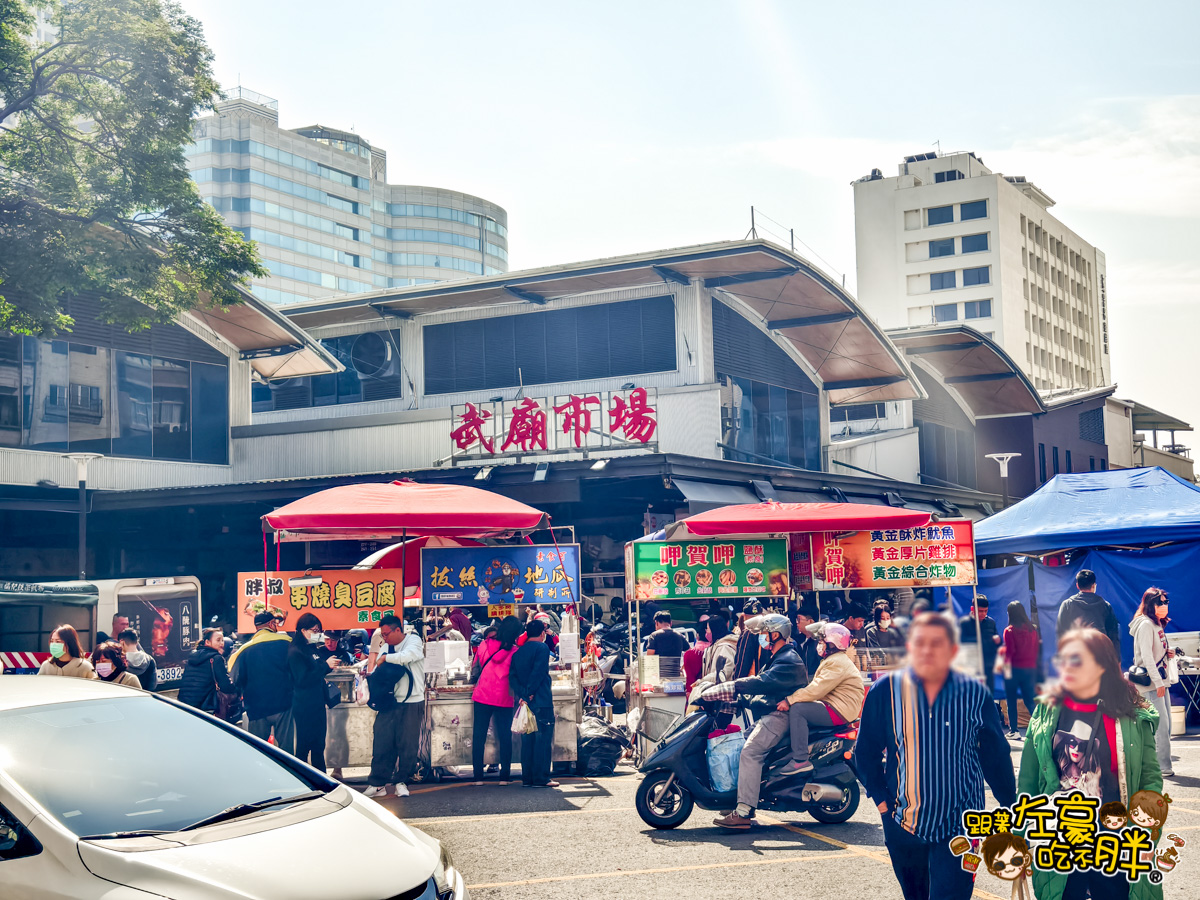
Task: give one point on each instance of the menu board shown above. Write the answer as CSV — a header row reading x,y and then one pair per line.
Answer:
x,y
685,570
940,554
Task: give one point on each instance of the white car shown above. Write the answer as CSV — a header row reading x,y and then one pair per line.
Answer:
x,y
108,793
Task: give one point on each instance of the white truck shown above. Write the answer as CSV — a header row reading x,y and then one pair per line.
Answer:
x,y
165,612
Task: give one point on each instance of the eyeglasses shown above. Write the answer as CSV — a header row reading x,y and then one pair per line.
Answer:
x,y
1072,661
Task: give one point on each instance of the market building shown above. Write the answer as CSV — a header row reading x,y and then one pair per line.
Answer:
x,y
615,394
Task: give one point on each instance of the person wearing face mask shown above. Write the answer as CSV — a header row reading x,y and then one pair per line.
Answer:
x,y
833,697
308,692
882,634
66,656
780,675
1093,730
111,666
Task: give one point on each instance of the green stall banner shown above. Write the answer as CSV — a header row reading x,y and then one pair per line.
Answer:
x,y
685,570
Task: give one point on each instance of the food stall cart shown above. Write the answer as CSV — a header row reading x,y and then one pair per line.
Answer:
x,y
414,513
773,549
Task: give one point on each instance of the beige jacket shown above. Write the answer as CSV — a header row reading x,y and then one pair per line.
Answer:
x,y
76,668
839,683
128,679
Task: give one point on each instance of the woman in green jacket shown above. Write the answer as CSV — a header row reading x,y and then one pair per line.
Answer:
x,y
1092,732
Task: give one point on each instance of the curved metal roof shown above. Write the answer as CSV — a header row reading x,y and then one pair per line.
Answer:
x,y
971,364
848,351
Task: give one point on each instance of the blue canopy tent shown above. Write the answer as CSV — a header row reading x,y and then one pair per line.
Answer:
x,y
1138,527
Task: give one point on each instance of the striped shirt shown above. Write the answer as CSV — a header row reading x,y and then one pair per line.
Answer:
x,y
928,761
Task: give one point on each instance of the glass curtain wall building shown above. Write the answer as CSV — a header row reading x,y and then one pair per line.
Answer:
x,y
317,202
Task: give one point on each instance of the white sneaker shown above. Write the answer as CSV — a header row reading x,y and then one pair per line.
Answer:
x,y
375,790
402,790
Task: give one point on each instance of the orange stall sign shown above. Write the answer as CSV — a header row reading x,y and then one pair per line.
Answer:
x,y
340,598
936,555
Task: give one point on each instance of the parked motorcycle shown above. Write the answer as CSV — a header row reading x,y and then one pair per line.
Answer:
x,y
676,777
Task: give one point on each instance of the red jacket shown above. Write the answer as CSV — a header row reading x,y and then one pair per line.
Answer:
x,y
1021,647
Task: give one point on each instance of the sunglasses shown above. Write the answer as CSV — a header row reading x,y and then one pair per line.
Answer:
x,y
1162,601
1071,661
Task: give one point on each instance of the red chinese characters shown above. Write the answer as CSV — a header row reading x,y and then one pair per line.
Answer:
x,y
470,429
633,419
577,417
526,427
669,554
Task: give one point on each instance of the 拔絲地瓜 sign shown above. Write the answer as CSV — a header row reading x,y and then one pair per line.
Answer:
x,y
494,576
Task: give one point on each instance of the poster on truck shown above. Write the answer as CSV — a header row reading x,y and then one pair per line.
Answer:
x,y
168,628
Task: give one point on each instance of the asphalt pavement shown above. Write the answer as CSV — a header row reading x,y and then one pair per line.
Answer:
x,y
585,839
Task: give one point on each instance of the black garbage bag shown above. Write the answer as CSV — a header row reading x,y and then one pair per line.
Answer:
x,y
601,746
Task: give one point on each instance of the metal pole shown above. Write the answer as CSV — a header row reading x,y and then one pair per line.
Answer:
x,y
1004,491
82,523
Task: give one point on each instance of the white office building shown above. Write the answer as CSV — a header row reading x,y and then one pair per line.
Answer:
x,y
949,240
317,202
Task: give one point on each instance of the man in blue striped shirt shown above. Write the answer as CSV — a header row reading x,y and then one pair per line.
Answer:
x,y
928,740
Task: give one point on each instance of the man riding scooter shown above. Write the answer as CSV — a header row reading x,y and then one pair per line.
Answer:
x,y
778,677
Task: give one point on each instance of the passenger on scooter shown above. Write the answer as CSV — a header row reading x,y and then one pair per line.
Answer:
x,y
780,675
833,697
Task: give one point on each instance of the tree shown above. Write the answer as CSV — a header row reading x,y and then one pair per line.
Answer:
x,y
94,190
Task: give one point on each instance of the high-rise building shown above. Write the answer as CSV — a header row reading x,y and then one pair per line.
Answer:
x,y
949,240
317,202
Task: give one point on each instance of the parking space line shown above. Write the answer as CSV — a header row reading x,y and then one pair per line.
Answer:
x,y
557,812
625,873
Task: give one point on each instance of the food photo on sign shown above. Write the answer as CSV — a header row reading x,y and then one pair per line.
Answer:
x,y
669,570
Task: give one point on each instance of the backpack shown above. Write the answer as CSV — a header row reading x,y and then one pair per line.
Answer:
x,y
381,686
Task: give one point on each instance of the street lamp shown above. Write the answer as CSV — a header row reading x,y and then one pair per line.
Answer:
x,y
1002,459
81,461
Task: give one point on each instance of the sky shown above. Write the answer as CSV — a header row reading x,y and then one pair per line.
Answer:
x,y
625,127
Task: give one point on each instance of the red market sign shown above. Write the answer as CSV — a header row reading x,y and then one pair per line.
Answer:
x,y
343,598
937,555
531,425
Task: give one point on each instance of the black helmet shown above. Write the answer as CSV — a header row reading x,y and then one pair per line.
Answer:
x,y
752,607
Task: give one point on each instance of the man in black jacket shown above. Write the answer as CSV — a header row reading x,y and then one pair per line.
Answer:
x,y
262,677
529,675
782,674
1087,609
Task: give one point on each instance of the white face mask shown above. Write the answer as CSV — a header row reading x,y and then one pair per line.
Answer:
x,y
316,637
104,669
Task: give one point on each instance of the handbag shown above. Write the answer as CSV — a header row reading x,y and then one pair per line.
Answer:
x,y
333,694
229,705
1139,676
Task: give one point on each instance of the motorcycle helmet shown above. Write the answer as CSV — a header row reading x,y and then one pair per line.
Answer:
x,y
752,607
829,633
771,623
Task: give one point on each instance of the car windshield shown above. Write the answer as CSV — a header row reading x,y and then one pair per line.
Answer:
x,y
136,764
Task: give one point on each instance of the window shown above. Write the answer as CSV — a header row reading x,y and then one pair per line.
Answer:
x,y
1103,465
978,275
977,309
943,247
15,840
1068,462
1042,463
859,412
941,281
1054,458
601,341
948,175
764,422
372,373
974,243
1091,464
946,312
974,210
939,215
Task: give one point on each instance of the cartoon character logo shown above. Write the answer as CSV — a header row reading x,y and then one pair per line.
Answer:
x,y
1148,809
1114,816
1006,855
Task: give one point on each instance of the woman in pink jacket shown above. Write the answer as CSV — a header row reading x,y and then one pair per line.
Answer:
x,y
493,697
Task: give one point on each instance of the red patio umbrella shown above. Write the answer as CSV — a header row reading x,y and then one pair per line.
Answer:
x,y
773,517
379,511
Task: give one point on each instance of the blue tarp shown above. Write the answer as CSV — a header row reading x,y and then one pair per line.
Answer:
x,y
1120,507
1001,587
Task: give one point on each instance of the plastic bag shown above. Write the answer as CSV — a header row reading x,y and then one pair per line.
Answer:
x,y
1172,671
723,754
524,721
362,694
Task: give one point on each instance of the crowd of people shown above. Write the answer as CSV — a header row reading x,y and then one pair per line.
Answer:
x,y
929,737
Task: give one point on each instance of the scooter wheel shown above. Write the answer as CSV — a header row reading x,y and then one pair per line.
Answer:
x,y
839,810
660,808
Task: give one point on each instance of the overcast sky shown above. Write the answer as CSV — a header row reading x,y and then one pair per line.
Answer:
x,y
633,126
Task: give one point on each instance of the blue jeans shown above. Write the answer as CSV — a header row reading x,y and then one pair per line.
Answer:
x,y
1024,681
925,869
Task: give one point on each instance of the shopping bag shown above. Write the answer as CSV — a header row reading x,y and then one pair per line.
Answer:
x,y
362,693
724,752
524,721
1172,671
